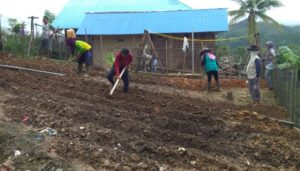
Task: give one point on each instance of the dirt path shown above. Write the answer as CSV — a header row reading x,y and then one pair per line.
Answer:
x,y
148,130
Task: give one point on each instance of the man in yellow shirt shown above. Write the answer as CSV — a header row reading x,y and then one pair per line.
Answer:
x,y
81,50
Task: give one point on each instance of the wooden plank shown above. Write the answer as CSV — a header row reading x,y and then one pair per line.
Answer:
x,y
31,70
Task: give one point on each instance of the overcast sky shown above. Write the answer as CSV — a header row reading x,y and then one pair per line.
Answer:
x,y
21,9
288,14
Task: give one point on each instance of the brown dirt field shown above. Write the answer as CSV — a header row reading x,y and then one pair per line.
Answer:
x,y
145,130
195,84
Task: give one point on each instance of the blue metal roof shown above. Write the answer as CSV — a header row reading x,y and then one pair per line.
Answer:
x,y
123,23
73,13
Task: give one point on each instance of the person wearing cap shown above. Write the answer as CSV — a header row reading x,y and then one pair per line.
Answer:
x,y
81,51
211,67
270,61
122,61
253,73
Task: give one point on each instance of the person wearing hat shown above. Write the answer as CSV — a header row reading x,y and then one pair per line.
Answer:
x,y
253,73
270,61
122,60
81,50
211,67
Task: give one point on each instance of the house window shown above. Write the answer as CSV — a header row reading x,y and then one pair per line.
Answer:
x,y
121,40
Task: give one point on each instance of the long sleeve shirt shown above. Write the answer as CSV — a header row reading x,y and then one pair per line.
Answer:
x,y
121,62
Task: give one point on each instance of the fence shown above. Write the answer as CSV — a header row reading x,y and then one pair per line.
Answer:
x,y
287,91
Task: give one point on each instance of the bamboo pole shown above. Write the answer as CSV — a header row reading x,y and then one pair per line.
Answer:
x,y
183,64
31,70
193,53
167,70
31,34
103,63
140,51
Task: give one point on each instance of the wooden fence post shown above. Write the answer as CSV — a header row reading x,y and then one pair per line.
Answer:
x,y
31,34
295,95
167,70
183,64
290,83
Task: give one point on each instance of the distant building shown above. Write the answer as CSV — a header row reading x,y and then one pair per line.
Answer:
x,y
116,24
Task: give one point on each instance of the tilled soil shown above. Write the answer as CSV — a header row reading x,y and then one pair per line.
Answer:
x,y
144,130
195,84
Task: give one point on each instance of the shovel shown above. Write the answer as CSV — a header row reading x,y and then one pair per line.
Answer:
x,y
116,83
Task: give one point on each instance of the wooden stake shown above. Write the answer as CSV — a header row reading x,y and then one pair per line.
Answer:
x,y
31,34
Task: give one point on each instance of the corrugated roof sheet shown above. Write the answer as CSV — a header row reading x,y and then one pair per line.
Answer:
x,y
73,13
123,23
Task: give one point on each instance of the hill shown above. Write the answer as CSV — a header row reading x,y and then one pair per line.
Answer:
x,y
286,35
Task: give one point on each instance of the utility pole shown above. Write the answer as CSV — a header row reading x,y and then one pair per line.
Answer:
x,y
193,53
1,46
31,34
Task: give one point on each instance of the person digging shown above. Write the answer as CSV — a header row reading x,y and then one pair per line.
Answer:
x,y
122,61
211,67
81,51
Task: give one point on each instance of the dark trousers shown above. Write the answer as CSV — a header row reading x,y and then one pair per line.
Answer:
x,y
212,73
85,58
125,77
253,85
44,47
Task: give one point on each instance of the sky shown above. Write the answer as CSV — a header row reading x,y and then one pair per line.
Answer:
x,y
22,9
288,14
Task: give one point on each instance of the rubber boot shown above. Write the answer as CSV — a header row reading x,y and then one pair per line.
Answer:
x,y
79,69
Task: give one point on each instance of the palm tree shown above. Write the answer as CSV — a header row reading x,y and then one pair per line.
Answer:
x,y
254,10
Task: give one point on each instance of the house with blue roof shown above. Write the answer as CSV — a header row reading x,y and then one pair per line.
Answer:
x,y
114,24
73,12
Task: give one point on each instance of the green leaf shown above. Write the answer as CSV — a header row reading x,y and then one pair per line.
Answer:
x,y
110,59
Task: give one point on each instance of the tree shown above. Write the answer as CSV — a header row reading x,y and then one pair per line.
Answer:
x,y
254,10
50,15
12,22
222,51
15,26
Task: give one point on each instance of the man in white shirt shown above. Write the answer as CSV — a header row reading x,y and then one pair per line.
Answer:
x,y
44,44
253,73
